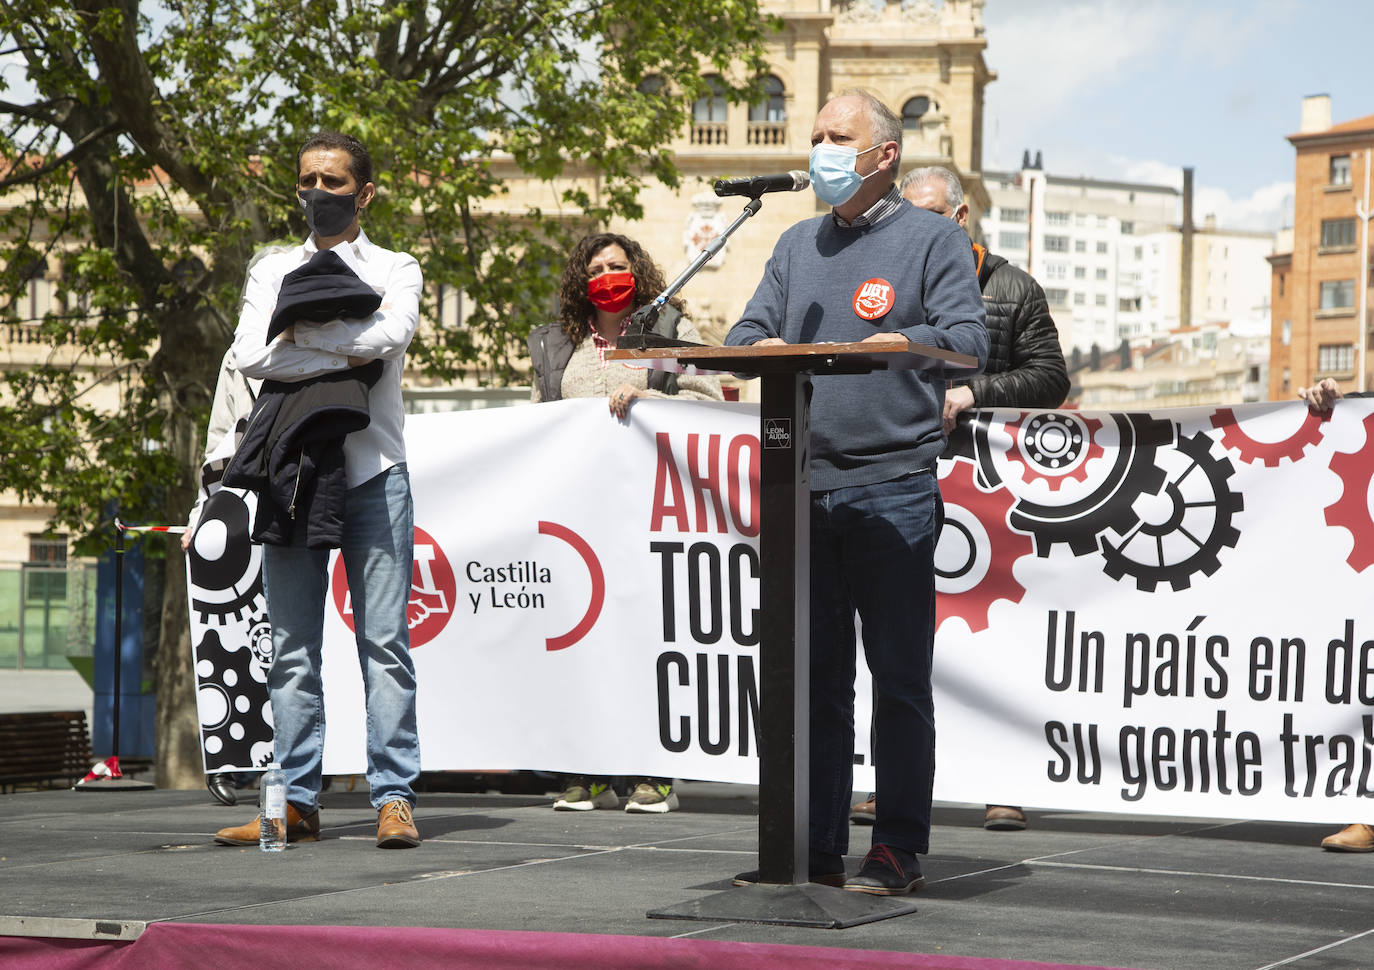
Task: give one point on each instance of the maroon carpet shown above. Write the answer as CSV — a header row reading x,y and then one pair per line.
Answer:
x,y
172,946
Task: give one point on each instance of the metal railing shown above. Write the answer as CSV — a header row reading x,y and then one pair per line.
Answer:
x,y
767,133
710,133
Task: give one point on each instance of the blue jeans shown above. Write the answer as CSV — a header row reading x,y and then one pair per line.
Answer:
x,y
873,551
378,554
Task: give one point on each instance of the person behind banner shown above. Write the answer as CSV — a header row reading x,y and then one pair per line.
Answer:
x,y
606,278
229,410
1025,365
334,187
1321,398
873,267
234,396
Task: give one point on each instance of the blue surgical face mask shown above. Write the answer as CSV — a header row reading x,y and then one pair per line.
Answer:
x,y
832,172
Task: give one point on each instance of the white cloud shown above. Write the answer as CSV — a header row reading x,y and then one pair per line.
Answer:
x,y
1056,62
1267,208
1270,207
1149,171
1044,56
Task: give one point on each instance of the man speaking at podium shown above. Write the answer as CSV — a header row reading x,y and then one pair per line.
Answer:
x,y
875,266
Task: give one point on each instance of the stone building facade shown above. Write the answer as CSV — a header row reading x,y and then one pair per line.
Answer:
x,y
925,60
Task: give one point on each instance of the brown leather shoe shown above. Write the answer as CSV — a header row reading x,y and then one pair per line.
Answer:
x,y
864,813
1004,818
1352,838
299,828
396,826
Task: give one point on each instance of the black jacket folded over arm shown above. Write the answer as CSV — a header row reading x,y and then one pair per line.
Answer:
x,y
292,455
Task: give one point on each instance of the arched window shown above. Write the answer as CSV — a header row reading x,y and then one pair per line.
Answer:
x,y
651,85
708,114
711,107
770,107
913,111
768,115
26,277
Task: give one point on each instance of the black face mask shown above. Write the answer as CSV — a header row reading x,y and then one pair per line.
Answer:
x,y
326,213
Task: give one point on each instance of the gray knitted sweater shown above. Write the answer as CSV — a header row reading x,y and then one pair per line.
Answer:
x,y
869,428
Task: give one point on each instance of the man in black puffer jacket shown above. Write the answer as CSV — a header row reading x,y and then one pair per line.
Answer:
x,y
1025,365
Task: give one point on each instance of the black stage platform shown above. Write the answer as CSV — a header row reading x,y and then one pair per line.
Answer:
x,y
1079,889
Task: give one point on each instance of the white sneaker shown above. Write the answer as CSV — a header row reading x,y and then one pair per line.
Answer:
x,y
580,798
654,799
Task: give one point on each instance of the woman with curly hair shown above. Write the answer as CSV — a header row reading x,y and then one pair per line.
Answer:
x,y
607,277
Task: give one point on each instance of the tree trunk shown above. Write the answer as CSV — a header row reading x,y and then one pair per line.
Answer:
x,y
186,366
179,763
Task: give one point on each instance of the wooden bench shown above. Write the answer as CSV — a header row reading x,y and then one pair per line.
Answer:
x,y
41,749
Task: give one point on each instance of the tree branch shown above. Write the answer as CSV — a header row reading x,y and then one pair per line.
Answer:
x,y
74,154
133,94
32,112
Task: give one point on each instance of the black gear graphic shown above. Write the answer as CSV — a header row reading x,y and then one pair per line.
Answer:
x,y
231,584
1080,524
1204,523
960,443
1072,440
260,640
245,697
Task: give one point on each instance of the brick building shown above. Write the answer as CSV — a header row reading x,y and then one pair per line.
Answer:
x,y
1319,287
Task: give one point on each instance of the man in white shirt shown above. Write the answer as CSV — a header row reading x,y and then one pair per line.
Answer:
x,y
334,186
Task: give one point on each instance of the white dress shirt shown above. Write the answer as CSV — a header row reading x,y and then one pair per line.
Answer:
x,y
320,348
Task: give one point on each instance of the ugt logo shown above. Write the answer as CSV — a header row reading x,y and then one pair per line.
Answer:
x,y
432,591
873,298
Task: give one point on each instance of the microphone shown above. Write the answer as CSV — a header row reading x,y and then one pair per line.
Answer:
x,y
757,185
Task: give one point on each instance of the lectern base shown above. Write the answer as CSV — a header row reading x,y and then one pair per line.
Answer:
x,y
805,905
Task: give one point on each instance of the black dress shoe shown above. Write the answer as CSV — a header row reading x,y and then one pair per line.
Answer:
x,y
887,871
221,785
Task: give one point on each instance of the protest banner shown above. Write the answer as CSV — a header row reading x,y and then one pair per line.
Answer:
x,y
1160,612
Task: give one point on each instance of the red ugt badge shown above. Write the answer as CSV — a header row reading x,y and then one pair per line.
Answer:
x,y
873,298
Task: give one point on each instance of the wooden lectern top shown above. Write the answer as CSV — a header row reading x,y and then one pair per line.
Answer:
x,y
896,353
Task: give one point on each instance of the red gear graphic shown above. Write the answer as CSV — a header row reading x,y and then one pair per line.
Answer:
x,y
1268,452
960,493
1351,510
1034,469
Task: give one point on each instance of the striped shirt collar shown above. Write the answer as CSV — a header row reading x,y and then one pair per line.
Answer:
x,y
891,202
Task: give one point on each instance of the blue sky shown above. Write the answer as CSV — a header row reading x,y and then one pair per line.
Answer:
x,y
1136,90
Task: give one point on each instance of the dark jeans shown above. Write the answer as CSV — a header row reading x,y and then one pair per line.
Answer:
x,y
872,551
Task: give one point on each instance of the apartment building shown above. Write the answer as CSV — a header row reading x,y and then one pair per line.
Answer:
x,y
1111,257
1086,240
1320,278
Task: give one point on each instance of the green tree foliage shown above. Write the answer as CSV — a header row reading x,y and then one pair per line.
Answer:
x,y
149,151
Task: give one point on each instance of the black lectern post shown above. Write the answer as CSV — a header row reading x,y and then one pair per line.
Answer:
x,y
784,894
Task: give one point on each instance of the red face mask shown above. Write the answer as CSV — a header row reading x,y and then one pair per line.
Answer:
x,y
611,292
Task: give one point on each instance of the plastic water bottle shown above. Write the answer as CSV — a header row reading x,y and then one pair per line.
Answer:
x,y
272,824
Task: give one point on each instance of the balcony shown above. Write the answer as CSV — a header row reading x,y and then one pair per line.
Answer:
x,y
929,140
20,333
710,133
767,133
